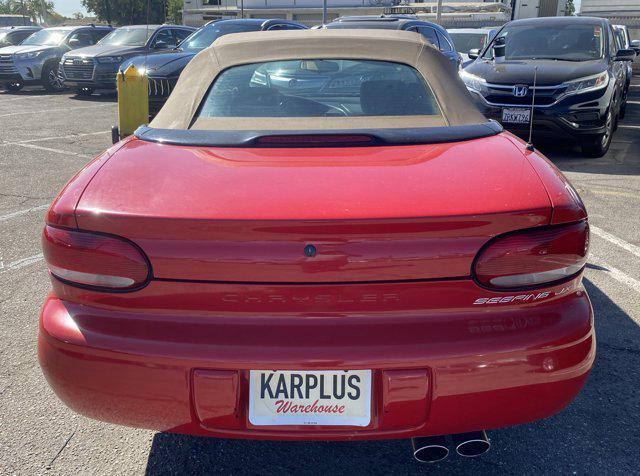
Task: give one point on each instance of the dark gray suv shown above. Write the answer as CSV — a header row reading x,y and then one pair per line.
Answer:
x,y
95,67
14,35
35,60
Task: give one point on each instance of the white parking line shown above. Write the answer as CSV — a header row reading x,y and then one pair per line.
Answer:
x,y
623,126
20,263
19,213
49,149
616,274
625,245
57,110
68,136
4,98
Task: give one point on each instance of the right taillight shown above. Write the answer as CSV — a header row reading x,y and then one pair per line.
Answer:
x,y
94,260
533,257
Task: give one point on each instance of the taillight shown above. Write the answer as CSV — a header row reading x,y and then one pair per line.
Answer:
x,y
94,260
533,257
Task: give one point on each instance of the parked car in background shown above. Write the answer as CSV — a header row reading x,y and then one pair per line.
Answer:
x,y
163,69
14,35
371,258
624,42
580,79
36,59
435,34
95,68
635,45
470,40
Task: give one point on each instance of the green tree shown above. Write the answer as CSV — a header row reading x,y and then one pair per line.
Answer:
x,y
570,9
132,12
37,10
174,11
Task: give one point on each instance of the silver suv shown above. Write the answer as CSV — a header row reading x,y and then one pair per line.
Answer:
x,y
36,60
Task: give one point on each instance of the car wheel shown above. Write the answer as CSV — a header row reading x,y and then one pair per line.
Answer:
x,y
50,78
598,147
14,86
84,91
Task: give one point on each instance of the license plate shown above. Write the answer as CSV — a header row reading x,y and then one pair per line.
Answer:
x,y
516,116
319,397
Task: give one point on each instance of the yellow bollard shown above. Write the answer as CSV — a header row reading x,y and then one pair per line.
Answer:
x,y
133,100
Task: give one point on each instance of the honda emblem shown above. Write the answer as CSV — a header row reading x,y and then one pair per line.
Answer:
x,y
520,90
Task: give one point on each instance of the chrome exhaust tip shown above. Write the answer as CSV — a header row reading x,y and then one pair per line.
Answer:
x,y
429,449
471,444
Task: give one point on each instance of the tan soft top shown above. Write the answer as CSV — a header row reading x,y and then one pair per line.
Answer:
x,y
256,47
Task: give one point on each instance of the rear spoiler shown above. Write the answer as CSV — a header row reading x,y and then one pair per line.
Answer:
x,y
310,138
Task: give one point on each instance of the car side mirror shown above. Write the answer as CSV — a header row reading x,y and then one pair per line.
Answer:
x,y
474,53
499,49
160,45
75,43
625,55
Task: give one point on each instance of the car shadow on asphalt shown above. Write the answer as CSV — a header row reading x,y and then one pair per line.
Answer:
x,y
32,91
96,97
623,157
597,433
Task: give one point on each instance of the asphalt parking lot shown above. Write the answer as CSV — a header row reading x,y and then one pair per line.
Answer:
x,y
45,139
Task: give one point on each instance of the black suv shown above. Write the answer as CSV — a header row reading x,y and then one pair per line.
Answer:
x,y
163,69
580,79
95,67
435,34
14,35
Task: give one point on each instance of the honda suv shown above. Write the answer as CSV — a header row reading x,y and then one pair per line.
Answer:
x,y
578,71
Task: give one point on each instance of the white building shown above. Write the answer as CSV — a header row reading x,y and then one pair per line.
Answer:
x,y
539,8
198,12
622,12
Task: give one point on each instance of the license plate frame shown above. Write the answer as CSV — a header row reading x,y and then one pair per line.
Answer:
x,y
263,406
516,115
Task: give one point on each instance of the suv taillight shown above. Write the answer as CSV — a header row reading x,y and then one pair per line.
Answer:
x,y
533,257
94,260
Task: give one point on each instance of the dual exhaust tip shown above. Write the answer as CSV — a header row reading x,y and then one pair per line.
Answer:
x,y
431,449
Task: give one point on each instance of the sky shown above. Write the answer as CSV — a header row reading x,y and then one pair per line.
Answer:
x,y
67,7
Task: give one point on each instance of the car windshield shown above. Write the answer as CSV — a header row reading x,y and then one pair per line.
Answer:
x,y
320,88
127,37
569,42
468,41
48,37
207,35
3,38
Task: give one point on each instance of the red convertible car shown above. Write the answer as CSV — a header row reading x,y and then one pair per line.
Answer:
x,y
353,253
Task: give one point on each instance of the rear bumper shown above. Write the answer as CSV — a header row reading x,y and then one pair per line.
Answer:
x,y
446,372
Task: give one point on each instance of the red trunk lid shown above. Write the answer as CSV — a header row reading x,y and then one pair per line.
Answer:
x,y
370,213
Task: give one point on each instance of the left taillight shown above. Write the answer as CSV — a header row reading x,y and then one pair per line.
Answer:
x,y
94,260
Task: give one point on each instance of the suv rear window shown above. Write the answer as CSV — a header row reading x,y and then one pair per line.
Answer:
x,y
319,88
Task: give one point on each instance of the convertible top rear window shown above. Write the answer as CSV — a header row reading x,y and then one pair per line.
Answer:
x,y
319,88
